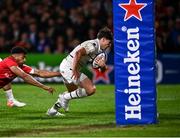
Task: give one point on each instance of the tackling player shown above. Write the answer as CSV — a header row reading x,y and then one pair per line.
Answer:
x,y
14,66
77,83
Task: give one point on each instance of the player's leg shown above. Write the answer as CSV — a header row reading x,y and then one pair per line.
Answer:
x,y
66,72
62,102
88,85
87,88
73,93
53,111
11,101
70,86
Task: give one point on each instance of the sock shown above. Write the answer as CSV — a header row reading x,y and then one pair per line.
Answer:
x,y
56,106
78,93
9,95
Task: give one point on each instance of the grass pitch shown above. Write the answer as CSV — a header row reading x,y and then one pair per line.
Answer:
x,y
92,116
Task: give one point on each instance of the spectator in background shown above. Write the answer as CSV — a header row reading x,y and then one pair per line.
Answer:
x,y
70,36
110,22
72,43
54,17
24,41
59,45
2,44
91,34
43,44
33,35
4,32
178,8
69,4
86,8
108,6
15,32
159,43
94,23
82,16
166,13
170,13
44,19
51,29
174,37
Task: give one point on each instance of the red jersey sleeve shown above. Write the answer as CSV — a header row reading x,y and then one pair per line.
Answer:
x,y
27,69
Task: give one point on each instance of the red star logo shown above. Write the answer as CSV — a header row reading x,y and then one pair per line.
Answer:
x,y
133,9
102,76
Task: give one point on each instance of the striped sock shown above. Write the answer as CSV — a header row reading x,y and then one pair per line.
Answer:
x,y
78,93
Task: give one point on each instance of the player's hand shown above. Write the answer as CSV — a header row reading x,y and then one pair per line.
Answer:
x,y
75,75
49,89
101,62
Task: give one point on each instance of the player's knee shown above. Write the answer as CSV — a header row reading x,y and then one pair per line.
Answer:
x,y
92,90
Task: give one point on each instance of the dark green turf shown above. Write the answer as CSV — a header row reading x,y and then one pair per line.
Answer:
x,y
92,116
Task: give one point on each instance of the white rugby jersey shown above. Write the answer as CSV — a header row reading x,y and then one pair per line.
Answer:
x,y
92,48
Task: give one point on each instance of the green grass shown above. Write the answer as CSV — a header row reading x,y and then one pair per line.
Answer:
x,y
92,116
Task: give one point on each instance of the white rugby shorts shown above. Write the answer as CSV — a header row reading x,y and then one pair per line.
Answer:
x,y
66,72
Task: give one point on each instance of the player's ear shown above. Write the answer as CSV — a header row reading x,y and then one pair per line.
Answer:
x,y
103,39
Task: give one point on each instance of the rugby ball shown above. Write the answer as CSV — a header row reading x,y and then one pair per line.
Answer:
x,y
98,56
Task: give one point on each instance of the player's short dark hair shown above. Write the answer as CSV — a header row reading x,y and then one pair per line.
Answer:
x,y
18,50
105,32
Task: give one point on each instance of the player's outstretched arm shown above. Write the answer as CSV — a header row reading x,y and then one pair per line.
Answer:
x,y
45,73
29,79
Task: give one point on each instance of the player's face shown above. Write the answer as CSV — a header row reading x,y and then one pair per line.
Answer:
x,y
105,43
21,58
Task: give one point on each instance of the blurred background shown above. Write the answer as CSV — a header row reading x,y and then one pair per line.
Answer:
x,y
51,26
56,26
167,26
